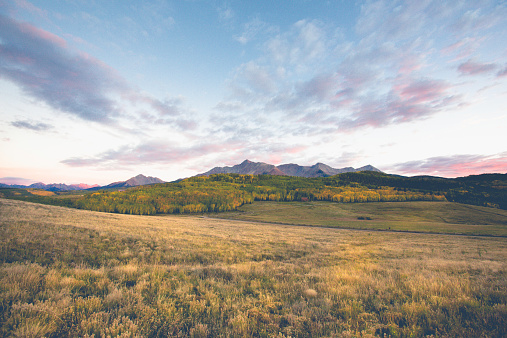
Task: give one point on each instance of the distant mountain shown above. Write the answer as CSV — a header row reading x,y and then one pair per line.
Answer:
x,y
260,168
61,186
3,185
52,186
132,182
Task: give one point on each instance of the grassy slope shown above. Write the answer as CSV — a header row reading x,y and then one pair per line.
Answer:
x,y
439,217
67,272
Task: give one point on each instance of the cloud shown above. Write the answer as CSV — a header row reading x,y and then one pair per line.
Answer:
x,y
479,19
163,153
16,180
152,152
348,159
454,166
44,67
251,30
388,20
256,80
407,101
304,43
310,80
36,126
225,13
463,48
41,64
476,68
320,87
502,72
25,5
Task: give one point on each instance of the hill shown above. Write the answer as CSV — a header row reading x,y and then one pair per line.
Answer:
x,y
260,168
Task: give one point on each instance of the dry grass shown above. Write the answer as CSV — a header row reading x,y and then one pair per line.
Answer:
x,y
69,272
40,192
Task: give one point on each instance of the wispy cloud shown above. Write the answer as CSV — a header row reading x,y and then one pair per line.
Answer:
x,y
310,80
160,152
407,101
252,29
454,166
152,152
26,124
476,68
502,72
225,13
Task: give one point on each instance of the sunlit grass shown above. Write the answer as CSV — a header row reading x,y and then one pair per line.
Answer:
x,y
68,272
40,192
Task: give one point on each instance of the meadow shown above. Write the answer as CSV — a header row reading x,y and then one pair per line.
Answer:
x,y
68,272
427,216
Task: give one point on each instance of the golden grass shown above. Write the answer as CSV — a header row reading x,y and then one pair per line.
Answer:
x,y
68,272
40,192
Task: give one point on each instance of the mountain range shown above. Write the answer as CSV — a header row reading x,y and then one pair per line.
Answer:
x,y
246,168
52,186
132,182
260,168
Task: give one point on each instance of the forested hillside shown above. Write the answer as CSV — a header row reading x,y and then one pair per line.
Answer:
x,y
226,192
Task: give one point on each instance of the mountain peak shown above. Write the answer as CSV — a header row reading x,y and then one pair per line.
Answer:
x,y
142,180
135,181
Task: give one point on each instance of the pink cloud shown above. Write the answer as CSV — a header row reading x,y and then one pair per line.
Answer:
x,y
295,149
42,34
463,48
16,181
407,101
421,91
454,166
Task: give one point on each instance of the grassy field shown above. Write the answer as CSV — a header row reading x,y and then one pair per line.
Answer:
x,y
67,272
438,217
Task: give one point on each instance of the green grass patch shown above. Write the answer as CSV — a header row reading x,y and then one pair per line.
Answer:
x,y
435,217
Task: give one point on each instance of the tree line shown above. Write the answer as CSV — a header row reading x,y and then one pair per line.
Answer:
x,y
227,192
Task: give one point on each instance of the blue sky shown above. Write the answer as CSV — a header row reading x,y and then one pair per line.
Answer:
x,y
99,91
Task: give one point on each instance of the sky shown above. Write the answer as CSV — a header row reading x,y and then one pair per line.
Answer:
x,y
100,91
